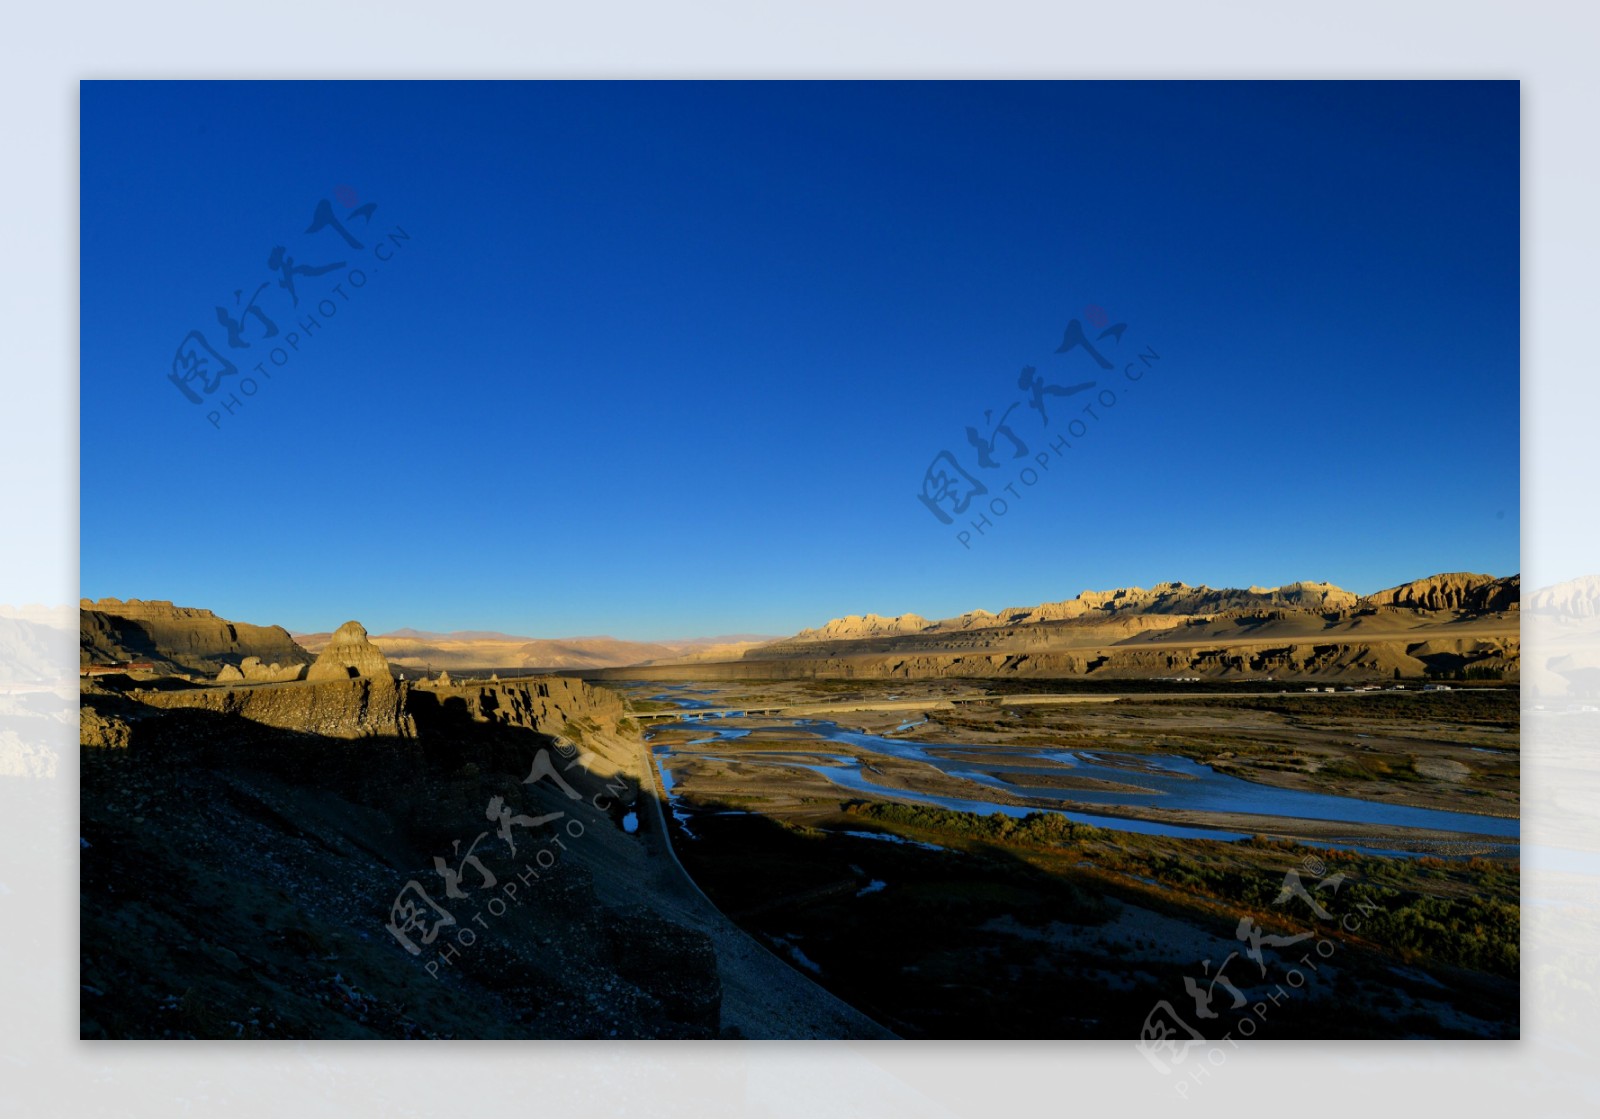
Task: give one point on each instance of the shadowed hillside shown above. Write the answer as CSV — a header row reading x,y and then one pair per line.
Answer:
x,y
354,856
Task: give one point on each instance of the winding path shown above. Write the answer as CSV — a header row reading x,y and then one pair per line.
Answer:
x,y
763,995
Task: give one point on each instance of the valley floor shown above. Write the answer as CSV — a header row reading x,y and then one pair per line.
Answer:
x,y
891,854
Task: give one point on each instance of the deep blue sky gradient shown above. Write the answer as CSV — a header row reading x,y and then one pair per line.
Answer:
x,y
670,359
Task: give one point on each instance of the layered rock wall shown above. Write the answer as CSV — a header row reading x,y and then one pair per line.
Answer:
x,y
184,639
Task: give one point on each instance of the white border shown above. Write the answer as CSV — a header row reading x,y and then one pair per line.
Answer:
x,y
1549,46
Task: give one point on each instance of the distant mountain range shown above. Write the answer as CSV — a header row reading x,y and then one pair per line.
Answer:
x,y
1453,625
197,642
35,644
482,649
1455,591
1563,630
1450,624
1575,599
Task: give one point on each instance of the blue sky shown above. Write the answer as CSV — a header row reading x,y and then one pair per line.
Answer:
x,y
659,360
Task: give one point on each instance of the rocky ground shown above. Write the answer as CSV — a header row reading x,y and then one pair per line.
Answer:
x,y
239,880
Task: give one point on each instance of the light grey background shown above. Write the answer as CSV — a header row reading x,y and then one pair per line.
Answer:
x,y
45,50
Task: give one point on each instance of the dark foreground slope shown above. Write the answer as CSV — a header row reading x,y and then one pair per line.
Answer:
x,y
249,853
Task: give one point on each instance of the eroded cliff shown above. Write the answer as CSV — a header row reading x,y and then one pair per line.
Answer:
x,y
182,639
